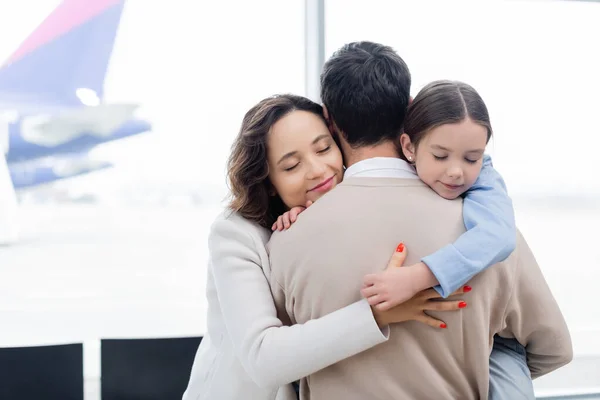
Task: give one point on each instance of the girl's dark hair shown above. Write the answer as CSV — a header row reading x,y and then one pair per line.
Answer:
x,y
444,102
252,194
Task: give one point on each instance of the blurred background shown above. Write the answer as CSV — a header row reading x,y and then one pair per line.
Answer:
x,y
120,252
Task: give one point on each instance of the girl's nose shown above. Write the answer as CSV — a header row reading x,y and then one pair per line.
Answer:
x,y
454,172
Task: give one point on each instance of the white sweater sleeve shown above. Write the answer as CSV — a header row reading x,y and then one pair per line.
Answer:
x,y
273,354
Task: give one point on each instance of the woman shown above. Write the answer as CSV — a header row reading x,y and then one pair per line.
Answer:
x,y
248,352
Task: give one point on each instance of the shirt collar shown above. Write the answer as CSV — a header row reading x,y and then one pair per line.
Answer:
x,y
381,167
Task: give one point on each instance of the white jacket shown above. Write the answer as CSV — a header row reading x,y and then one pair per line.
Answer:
x,y
247,352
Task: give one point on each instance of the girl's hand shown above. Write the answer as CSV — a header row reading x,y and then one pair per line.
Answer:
x,y
395,285
289,217
392,296
392,286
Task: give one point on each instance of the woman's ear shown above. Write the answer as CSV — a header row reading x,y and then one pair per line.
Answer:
x,y
407,148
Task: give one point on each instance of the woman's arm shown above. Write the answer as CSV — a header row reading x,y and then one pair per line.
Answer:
x,y
490,237
271,353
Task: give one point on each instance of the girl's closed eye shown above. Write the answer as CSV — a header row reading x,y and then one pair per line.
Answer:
x,y
291,168
440,158
471,161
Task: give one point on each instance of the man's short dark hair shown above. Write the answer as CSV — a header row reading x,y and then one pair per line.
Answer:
x,y
366,89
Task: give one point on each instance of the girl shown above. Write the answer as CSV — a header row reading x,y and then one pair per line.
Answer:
x,y
247,351
442,136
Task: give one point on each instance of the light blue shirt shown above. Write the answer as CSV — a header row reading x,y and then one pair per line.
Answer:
x,y
488,215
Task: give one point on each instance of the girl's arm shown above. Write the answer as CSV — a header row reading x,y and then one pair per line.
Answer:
x,y
490,237
273,354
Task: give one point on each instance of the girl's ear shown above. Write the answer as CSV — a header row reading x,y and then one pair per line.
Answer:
x,y
407,148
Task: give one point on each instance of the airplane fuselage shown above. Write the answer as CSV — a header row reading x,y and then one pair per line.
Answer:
x,y
62,130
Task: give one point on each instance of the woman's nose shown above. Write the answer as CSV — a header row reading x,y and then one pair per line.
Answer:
x,y
317,168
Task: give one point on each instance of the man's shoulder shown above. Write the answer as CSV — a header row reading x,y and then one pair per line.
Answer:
x,y
354,182
299,231
359,198
325,217
403,191
310,223
522,249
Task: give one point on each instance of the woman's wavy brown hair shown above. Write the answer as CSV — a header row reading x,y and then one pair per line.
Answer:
x,y
252,194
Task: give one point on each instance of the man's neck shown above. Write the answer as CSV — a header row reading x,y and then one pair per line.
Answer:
x,y
354,155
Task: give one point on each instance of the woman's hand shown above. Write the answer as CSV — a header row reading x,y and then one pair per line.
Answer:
x,y
289,217
415,309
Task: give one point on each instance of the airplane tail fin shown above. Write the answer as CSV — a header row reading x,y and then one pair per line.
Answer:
x,y
69,50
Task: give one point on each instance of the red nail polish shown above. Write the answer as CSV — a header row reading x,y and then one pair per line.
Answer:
x,y
400,248
467,288
443,326
462,304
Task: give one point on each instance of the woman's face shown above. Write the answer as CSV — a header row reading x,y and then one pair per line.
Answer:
x,y
304,161
449,157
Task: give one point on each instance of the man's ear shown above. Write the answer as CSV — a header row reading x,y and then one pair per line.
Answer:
x,y
410,100
407,148
326,113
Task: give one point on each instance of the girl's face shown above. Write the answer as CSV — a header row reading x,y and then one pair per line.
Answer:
x,y
449,157
304,161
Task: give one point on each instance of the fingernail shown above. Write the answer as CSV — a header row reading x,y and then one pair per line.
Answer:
x,y
443,326
462,304
467,288
400,248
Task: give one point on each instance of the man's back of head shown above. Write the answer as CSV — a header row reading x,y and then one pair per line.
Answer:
x,y
365,87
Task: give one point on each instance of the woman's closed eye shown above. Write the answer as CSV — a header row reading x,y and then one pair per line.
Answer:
x,y
325,150
290,168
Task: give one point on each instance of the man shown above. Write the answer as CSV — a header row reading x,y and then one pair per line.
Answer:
x,y
319,264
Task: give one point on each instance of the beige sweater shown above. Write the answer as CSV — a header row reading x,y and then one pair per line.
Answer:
x,y
318,266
